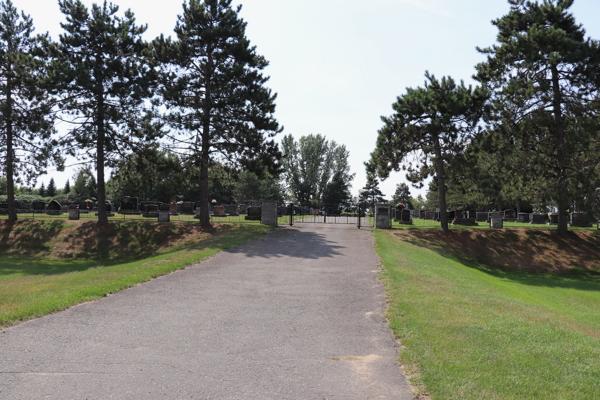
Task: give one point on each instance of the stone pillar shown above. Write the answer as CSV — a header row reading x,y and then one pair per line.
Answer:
x,y
73,215
382,216
269,214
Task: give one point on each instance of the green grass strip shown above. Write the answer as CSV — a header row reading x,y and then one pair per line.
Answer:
x,y
473,332
34,287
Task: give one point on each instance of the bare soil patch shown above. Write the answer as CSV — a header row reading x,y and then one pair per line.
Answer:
x,y
521,249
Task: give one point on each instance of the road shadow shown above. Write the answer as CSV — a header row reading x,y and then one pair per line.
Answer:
x,y
532,257
294,242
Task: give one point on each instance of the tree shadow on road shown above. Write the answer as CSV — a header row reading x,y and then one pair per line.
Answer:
x,y
294,243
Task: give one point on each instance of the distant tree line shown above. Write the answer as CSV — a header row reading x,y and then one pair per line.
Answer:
x,y
528,137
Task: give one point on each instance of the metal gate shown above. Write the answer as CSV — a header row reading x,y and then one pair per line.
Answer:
x,y
327,214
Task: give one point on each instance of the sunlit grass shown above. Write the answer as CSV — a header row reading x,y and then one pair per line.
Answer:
x,y
473,331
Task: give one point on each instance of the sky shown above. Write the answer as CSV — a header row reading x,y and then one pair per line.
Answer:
x,y
339,65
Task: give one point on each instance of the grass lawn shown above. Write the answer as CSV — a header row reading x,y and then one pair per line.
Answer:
x,y
50,265
473,330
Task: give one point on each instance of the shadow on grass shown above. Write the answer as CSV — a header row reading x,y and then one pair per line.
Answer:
x,y
90,245
534,257
34,236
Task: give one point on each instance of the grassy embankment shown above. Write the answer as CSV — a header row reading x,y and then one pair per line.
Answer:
x,y
50,265
496,314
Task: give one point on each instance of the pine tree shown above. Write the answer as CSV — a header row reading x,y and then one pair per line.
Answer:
x,y
434,124
545,76
214,89
26,125
42,191
51,190
370,194
104,78
67,188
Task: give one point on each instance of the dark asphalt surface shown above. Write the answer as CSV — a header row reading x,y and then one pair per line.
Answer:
x,y
293,315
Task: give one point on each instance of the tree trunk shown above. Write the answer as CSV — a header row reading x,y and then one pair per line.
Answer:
x,y
562,184
205,156
102,217
439,167
10,179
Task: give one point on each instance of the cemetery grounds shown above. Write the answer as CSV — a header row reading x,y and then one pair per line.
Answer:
x,y
495,314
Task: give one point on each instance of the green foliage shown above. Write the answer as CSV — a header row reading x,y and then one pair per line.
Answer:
x,y
545,77
51,190
42,190
402,195
370,194
26,126
432,124
311,165
85,184
3,186
249,186
67,188
215,93
103,79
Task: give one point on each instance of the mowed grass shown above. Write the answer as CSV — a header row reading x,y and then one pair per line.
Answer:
x,y
35,282
474,331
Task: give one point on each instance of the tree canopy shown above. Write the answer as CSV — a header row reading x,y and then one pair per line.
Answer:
x,y
215,93
429,127
313,163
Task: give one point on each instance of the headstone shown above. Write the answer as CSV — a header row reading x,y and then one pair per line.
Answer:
x,y
38,206
232,210
404,217
523,217
496,223
553,219
254,213
164,216
219,211
422,214
163,207
54,206
430,215
495,215
129,205
187,207
537,219
464,221
73,214
73,206
580,219
510,214
269,213
382,216
173,208
64,208
481,217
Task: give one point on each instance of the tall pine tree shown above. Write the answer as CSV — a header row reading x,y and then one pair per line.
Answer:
x,y
545,75
26,125
103,76
51,190
215,92
433,124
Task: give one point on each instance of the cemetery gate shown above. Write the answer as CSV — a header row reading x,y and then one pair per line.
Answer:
x,y
327,214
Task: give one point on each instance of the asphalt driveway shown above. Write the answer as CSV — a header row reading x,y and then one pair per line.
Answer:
x,y
293,315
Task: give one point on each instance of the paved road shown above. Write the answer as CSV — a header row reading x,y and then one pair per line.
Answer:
x,y
295,315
